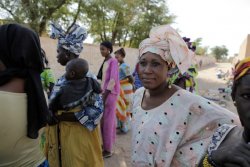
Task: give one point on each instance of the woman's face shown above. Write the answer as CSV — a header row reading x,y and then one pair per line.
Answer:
x,y
119,57
62,56
152,70
242,99
104,51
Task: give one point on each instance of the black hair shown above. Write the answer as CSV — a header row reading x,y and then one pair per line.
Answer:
x,y
45,59
80,66
108,45
121,51
191,45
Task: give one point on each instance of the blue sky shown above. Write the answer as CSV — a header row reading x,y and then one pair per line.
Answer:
x,y
217,22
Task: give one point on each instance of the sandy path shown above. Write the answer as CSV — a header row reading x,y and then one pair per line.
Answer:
x,y
207,80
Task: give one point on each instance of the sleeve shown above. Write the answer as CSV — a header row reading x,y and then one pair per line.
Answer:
x,y
202,118
50,77
114,75
219,136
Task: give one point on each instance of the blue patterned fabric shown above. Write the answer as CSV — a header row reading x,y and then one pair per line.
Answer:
x,y
72,41
218,136
91,106
91,115
44,164
137,81
124,71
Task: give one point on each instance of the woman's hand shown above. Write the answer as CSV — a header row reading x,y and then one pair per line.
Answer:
x,y
235,155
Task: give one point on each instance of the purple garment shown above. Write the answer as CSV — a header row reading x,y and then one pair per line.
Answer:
x,y
108,125
110,78
110,81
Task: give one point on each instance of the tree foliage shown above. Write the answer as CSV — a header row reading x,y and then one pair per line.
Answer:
x,y
219,52
123,22
126,22
200,50
34,13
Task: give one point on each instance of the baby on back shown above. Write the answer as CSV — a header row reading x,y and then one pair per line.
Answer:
x,y
80,93
76,86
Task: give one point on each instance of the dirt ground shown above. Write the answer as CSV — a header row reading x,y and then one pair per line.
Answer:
x,y
208,84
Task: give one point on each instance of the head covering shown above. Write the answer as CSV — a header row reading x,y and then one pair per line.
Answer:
x,y
72,41
108,45
242,68
166,42
20,51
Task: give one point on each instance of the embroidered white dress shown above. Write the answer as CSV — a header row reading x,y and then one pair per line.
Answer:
x,y
177,132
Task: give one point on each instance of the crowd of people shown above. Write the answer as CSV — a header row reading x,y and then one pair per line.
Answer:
x,y
73,121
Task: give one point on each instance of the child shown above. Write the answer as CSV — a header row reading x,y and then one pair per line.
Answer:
x,y
77,91
123,108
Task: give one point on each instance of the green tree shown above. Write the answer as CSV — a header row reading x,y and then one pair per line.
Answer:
x,y
124,22
200,50
219,52
34,13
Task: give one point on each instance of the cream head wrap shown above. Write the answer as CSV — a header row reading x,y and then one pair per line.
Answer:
x,y
166,42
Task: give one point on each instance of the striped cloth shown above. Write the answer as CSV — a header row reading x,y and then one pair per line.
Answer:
x,y
242,68
123,106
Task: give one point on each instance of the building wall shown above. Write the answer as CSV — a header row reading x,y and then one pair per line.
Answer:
x,y
92,54
244,50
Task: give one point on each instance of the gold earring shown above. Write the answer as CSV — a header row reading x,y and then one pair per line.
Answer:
x,y
169,86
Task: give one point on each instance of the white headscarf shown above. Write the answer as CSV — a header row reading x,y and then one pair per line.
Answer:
x,y
167,43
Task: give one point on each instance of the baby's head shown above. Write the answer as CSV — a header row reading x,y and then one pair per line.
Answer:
x,y
76,69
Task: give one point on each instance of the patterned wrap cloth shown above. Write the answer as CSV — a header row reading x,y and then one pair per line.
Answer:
x,y
242,68
166,42
71,41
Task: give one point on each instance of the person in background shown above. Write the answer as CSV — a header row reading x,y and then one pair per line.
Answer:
x,y
188,79
68,142
170,126
109,74
48,82
123,109
23,106
137,81
47,76
230,143
69,44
